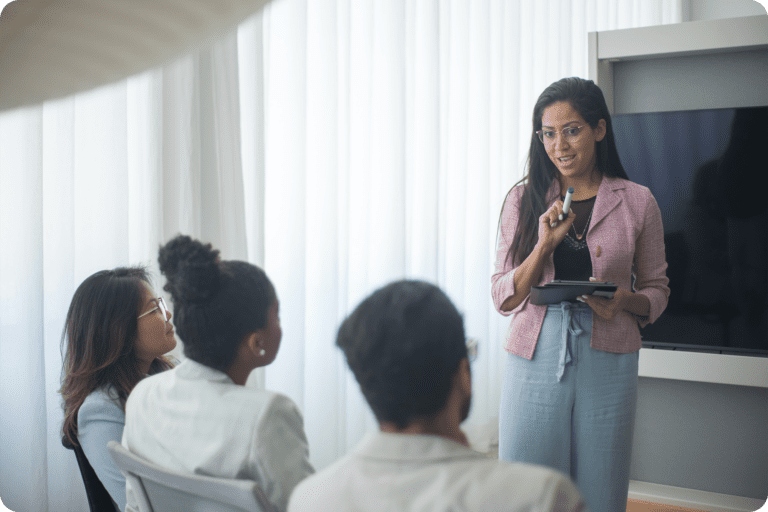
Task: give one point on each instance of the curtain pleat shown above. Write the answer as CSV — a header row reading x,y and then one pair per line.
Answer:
x,y
23,405
323,176
58,246
339,144
285,200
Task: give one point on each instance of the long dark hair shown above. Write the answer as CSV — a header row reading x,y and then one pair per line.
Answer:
x,y
99,341
588,100
215,303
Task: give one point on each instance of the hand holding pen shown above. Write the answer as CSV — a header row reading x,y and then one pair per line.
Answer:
x,y
555,223
566,206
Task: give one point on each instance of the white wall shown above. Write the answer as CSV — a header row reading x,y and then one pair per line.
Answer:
x,y
697,10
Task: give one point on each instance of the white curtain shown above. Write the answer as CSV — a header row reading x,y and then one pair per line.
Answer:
x,y
339,144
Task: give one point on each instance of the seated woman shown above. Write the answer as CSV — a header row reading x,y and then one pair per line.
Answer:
x,y
115,334
200,417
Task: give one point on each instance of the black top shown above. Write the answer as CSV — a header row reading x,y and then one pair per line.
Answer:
x,y
572,261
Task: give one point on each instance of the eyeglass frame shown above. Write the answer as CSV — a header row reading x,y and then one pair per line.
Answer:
x,y
540,134
472,344
160,305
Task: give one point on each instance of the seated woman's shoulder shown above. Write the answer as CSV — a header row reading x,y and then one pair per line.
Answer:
x,y
279,408
103,404
281,401
103,397
268,400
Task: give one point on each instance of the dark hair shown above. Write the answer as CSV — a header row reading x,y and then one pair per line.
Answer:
x,y
404,344
99,341
215,303
586,98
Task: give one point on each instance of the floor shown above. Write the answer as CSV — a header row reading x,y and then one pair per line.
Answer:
x,y
647,506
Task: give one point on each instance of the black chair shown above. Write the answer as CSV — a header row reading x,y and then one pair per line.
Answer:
x,y
98,498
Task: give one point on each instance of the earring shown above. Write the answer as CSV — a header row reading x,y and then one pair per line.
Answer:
x,y
262,352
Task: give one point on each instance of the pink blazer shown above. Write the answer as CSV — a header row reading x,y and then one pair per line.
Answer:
x,y
625,236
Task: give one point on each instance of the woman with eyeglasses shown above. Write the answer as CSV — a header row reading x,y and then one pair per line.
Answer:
x,y
570,382
115,334
200,417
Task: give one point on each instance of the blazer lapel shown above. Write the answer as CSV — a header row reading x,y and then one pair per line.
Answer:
x,y
606,200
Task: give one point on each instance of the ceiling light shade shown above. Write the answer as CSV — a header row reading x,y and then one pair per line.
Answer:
x,y
54,48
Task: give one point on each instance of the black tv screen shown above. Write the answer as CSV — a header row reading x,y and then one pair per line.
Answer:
x,y
708,170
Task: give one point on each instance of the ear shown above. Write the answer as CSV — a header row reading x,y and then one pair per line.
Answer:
x,y
600,130
253,342
465,377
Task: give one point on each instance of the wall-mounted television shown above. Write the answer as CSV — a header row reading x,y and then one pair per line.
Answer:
x,y
708,170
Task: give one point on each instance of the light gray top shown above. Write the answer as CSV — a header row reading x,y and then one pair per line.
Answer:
x,y
100,420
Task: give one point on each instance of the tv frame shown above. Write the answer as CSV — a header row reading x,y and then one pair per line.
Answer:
x,y
659,44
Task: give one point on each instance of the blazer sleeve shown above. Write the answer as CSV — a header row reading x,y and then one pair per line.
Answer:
x,y
281,451
503,278
99,421
650,262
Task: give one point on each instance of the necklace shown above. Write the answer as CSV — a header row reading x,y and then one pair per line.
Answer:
x,y
586,226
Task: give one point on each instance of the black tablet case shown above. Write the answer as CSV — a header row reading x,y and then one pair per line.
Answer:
x,y
558,291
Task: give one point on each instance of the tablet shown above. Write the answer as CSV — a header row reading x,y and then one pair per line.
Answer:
x,y
558,291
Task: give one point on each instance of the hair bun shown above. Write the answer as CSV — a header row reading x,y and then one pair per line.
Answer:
x,y
191,267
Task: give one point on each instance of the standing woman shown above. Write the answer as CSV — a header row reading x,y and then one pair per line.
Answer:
x,y
115,334
570,380
200,417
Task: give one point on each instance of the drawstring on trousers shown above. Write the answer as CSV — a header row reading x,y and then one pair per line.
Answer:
x,y
569,325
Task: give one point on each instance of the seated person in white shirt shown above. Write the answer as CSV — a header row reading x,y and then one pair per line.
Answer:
x,y
405,345
200,417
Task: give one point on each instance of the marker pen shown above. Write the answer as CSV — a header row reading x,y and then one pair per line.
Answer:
x,y
567,202
566,206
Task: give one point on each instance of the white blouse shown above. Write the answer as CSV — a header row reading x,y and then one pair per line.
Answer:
x,y
195,419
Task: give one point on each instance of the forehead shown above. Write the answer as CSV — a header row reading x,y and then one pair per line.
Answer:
x,y
560,113
147,292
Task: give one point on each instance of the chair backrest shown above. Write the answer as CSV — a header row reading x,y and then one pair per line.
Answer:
x,y
99,499
158,489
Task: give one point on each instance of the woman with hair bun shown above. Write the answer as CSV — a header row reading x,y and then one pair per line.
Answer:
x,y
115,334
200,417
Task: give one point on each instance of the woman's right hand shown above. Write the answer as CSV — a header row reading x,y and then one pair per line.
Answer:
x,y
529,271
549,236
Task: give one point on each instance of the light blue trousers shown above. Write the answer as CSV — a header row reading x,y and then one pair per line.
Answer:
x,y
572,408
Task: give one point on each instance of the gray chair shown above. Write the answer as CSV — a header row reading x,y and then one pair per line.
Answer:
x,y
160,490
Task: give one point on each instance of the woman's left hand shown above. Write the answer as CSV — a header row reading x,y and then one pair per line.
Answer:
x,y
607,308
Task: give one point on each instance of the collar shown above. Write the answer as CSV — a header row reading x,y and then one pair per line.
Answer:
x,y
605,200
190,369
390,447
